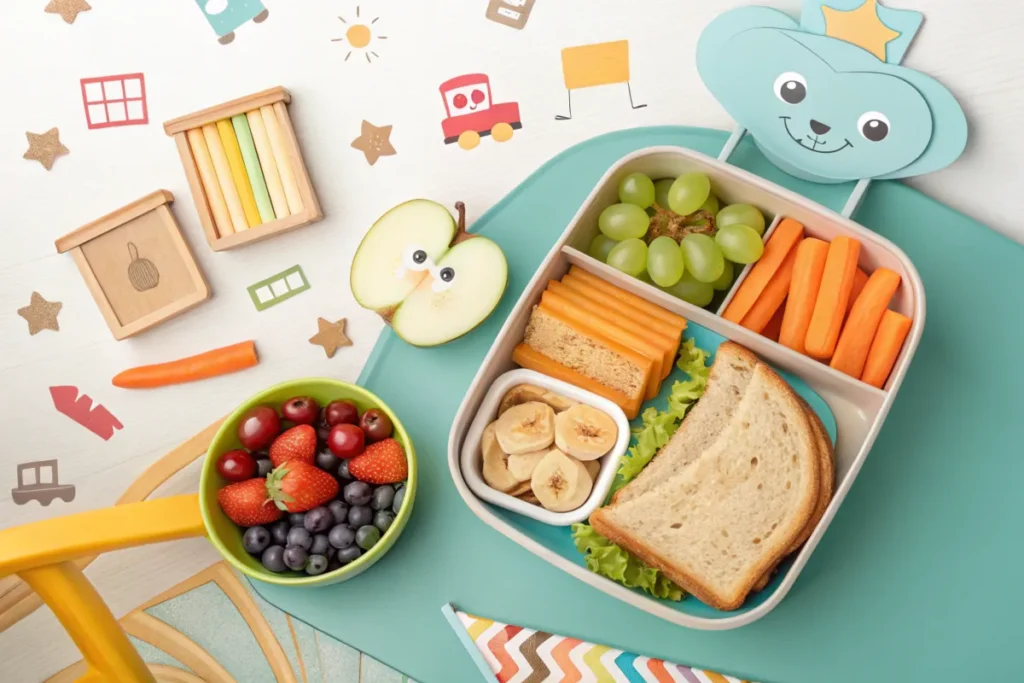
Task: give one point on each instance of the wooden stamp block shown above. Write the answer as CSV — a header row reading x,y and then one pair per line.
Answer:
x,y
137,265
240,151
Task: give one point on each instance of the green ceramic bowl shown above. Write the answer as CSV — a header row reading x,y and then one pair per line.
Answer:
x,y
227,537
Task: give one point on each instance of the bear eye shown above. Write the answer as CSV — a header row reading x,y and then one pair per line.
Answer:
x,y
791,87
443,278
415,258
874,126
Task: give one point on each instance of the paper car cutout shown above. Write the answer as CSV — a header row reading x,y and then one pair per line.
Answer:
x,y
825,99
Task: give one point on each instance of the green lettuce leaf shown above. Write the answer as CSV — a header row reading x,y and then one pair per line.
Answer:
x,y
657,427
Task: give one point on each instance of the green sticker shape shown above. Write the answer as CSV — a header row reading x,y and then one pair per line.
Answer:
x,y
278,288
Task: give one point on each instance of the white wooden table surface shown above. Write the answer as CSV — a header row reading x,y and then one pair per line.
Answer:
x,y
974,47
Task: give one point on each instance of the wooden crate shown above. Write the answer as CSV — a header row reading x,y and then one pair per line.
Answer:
x,y
277,98
137,265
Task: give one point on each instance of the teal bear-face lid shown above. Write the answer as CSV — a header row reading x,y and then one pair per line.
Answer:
x,y
826,99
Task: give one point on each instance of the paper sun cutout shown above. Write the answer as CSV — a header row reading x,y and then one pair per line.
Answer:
x,y
826,100
360,36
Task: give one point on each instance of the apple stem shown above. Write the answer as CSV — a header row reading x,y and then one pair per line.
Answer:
x,y
461,234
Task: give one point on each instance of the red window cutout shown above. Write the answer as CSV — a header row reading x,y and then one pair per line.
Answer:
x,y
112,101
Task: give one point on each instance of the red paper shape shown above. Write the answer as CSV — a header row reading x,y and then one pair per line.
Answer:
x,y
468,105
96,419
113,101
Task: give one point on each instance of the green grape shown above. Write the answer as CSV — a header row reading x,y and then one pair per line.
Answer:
x,y
688,193
702,257
692,290
664,261
600,246
741,214
629,256
723,283
623,222
661,188
638,189
711,204
645,277
739,243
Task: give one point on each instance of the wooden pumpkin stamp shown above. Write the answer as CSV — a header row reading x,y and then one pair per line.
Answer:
x,y
137,265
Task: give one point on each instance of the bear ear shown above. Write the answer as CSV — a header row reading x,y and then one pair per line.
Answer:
x,y
727,26
949,127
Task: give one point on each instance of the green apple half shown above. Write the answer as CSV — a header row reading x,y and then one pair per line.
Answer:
x,y
425,275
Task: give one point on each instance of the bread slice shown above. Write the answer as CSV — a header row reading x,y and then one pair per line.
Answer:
x,y
716,524
727,383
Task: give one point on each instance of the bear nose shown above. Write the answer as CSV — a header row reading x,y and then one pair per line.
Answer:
x,y
819,128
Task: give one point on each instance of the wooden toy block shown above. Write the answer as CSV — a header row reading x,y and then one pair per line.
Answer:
x,y
233,149
137,265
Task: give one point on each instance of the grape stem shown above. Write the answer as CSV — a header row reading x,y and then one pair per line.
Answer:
x,y
666,222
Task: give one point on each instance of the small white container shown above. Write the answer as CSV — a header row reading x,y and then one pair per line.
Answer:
x,y
472,461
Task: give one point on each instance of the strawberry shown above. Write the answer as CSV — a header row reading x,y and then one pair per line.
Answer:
x,y
297,443
381,463
247,503
297,486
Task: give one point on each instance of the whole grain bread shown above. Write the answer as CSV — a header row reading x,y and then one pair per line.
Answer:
x,y
726,501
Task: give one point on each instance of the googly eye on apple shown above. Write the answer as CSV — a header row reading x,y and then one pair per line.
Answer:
x,y
425,275
825,98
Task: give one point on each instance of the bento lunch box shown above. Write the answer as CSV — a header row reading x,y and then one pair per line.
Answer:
x,y
859,409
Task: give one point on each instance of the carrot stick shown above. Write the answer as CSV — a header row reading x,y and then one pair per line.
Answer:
x,y
772,296
885,348
803,292
209,364
782,241
774,328
860,278
834,295
862,323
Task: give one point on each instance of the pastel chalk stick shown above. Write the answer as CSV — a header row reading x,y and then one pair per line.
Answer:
x,y
238,174
252,167
227,185
211,185
284,161
267,162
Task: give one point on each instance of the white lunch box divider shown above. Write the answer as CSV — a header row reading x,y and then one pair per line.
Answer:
x,y
859,409
488,412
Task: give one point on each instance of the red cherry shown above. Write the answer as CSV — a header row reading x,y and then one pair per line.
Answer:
x,y
341,412
236,465
258,427
376,424
302,410
346,441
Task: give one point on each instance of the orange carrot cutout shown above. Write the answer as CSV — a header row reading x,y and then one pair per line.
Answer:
x,y
862,323
782,241
833,296
772,296
803,292
220,361
885,348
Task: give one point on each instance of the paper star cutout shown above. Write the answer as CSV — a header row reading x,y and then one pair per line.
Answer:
x,y
374,142
331,336
41,314
861,26
67,9
45,148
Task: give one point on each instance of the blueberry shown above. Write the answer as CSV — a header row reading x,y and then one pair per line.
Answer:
x,y
328,461
367,537
358,493
359,516
279,532
323,430
383,520
383,497
295,558
399,499
339,510
317,564
264,467
343,473
318,519
341,536
273,558
333,564
320,545
349,554
298,537
297,518
256,539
